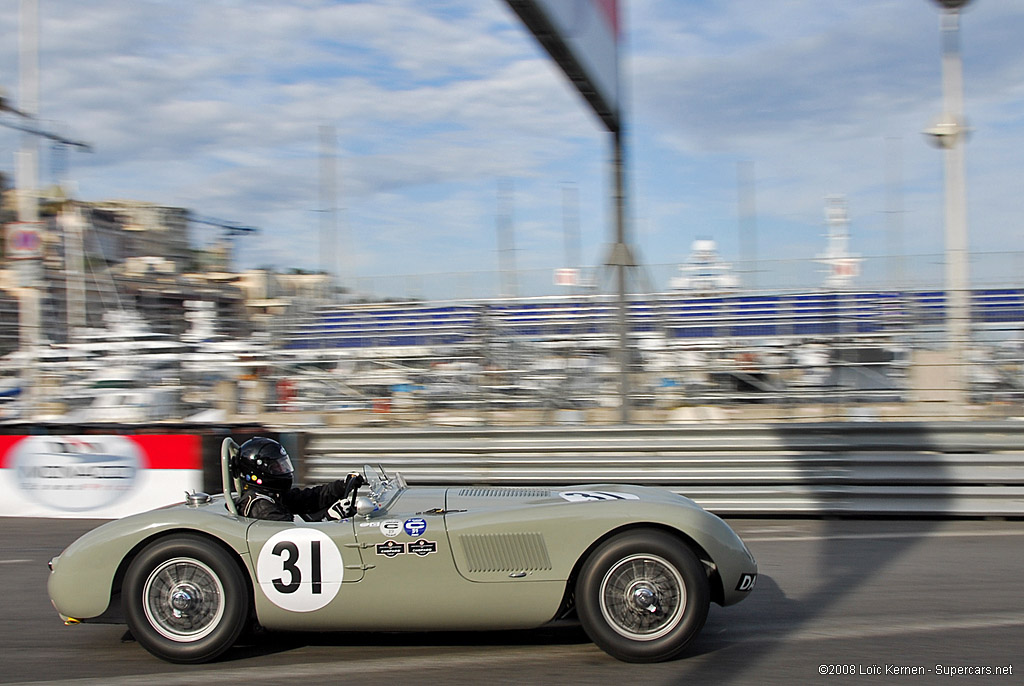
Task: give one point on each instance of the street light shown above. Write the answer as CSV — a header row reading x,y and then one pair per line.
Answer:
x,y
948,133
949,129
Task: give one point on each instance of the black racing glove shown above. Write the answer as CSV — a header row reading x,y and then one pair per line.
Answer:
x,y
342,487
353,481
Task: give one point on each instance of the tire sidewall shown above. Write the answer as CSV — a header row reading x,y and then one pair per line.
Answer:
x,y
220,562
672,551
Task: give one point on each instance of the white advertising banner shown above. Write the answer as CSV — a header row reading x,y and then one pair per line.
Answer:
x,y
101,476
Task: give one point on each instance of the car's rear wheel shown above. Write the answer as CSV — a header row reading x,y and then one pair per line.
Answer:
x,y
185,599
642,596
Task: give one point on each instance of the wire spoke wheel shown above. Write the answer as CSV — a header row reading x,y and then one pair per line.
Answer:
x,y
183,599
643,597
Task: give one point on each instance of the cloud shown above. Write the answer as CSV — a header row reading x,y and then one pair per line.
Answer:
x,y
817,96
217,106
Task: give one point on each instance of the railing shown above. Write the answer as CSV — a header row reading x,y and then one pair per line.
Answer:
x,y
899,468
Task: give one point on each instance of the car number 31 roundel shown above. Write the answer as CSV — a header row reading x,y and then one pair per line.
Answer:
x,y
300,569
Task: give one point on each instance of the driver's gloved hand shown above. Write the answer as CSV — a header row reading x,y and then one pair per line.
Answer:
x,y
353,481
342,487
340,510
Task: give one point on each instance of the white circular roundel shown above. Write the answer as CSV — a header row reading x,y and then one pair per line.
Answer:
x,y
300,569
391,527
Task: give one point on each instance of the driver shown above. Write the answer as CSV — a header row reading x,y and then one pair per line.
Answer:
x,y
265,470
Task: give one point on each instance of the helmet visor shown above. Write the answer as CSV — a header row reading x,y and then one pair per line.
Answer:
x,y
280,465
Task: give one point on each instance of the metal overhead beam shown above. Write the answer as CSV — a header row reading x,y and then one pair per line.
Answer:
x,y
558,45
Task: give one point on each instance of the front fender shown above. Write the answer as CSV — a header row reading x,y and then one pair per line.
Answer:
x,y
84,577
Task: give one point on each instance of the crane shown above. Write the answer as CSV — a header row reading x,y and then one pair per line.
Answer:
x,y
230,230
7,106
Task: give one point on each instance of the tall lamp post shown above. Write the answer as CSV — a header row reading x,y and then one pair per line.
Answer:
x,y
949,133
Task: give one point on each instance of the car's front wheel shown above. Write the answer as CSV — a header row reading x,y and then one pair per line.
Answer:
x,y
642,596
185,599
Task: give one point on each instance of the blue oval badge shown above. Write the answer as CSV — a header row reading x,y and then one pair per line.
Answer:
x,y
415,527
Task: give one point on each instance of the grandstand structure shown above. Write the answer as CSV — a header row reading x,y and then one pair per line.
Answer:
x,y
827,348
676,317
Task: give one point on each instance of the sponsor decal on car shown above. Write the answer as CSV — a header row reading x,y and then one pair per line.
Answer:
x,y
391,527
591,496
746,582
422,548
415,527
390,549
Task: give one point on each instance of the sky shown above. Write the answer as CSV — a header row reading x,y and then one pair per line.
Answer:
x,y
449,121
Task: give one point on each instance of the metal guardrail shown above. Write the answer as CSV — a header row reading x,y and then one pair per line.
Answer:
x,y
909,469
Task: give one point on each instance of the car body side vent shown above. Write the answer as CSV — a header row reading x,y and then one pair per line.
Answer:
x,y
505,493
526,552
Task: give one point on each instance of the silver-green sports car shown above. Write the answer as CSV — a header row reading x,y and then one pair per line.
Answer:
x,y
638,566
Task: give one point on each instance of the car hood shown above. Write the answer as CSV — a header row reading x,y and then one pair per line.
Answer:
x,y
475,498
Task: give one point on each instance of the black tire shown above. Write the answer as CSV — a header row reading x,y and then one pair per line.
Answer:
x,y
642,596
185,599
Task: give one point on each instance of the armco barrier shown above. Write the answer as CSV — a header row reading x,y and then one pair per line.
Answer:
x,y
908,469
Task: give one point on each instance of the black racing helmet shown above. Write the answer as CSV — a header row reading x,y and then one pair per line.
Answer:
x,y
263,464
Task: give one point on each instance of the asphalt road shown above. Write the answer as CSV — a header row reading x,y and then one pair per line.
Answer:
x,y
837,602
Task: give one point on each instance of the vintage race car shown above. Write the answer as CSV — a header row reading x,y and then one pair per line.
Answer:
x,y
637,566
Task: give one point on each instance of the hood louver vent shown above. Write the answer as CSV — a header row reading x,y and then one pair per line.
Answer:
x,y
505,493
506,552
